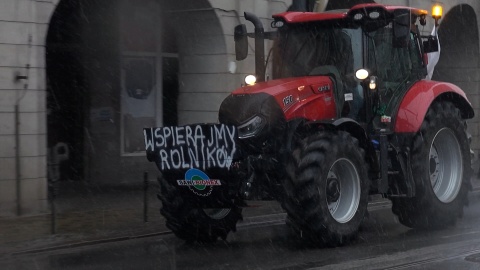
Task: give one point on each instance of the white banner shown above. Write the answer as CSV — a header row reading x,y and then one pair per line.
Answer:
x,y
433,57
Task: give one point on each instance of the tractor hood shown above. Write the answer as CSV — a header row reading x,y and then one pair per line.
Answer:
x,y
267,106
279,87
288,92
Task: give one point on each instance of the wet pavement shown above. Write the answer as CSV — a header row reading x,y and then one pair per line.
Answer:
x,y
382,244
88,214
99,229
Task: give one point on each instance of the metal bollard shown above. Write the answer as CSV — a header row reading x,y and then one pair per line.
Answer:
x,y
56,155
145,197
51,197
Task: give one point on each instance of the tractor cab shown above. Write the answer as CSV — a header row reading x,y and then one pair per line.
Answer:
x,y
373,54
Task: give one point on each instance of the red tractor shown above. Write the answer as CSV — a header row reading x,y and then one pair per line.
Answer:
x,y
347,114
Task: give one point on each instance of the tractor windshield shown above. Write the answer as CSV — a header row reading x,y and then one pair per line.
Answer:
x,y
304,49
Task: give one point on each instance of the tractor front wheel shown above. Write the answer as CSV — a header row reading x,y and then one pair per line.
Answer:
x,y
441,169
195,224
326,188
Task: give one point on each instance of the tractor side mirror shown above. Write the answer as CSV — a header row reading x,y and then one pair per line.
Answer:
x,y
430,45
401,28
241,42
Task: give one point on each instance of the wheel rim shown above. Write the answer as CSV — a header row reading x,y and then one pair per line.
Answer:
x,y
445,165
343,190
216,213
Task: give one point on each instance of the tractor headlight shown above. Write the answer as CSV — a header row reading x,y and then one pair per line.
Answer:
x,y
361,74
374,15
358,16
373,83
251,128
250,80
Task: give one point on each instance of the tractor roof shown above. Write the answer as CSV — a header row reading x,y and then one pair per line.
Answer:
x,y
302,17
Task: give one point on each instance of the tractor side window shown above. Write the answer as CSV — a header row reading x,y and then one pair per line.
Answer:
x,y
393,66
415,52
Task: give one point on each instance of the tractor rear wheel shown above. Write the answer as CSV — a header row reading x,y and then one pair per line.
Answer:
x,y
326,188
195,224
441,169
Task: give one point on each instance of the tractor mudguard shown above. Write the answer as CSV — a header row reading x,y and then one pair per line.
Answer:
x,y
346,124
195,159
303,126
418,99
352,127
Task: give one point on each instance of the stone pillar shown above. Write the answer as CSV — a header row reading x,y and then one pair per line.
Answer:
x,y
22,52
209,71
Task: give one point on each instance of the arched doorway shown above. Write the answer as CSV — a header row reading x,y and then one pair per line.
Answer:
x,y
114,67
459,41
459,58
67,95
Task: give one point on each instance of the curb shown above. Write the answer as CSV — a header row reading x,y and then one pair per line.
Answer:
x,y
88,243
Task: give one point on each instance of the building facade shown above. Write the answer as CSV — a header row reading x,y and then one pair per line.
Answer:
x,y
80,78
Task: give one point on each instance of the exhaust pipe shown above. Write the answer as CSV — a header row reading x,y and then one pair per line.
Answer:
x,y
259,45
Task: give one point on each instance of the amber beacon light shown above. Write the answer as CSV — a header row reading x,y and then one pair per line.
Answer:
x,y
437,12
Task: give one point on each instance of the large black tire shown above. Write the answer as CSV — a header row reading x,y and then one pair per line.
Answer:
x,y
195,224
326,188
440,159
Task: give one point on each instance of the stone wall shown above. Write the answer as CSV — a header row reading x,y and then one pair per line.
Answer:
x,y
22,51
